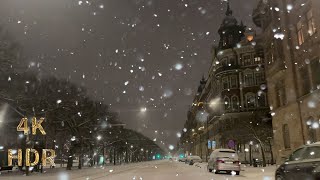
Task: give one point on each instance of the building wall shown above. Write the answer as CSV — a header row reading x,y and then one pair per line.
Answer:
x,y
291,70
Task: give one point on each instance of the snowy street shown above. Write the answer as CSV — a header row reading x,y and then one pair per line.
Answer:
x,y
156,170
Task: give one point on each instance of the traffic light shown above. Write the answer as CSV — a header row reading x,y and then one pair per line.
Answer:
x,y
158,156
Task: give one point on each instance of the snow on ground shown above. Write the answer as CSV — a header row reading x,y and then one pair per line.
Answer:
x,y
155,170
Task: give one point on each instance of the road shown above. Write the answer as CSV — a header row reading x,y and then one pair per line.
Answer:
x,y
156,170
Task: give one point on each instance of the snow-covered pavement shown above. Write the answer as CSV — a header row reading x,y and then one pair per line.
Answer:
x,y
156,170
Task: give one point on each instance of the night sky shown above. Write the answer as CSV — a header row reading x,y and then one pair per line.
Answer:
x,y
130,54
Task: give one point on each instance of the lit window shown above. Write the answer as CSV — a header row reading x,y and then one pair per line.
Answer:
x,y
311,24
249,38
300,33
257,60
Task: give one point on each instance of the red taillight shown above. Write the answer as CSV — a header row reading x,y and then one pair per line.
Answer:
x,y
220,161
236,162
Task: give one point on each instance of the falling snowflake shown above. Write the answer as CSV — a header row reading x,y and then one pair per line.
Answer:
x,y
178,66
141,88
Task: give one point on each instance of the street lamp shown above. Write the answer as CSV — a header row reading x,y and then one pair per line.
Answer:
x,y
245,154
144,109
250,152
99,138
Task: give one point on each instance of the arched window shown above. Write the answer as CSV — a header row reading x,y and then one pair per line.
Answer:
x,y
262,99
226,103
250,100
225,81
235,102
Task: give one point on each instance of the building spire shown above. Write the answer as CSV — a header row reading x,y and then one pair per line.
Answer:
x,y
229,11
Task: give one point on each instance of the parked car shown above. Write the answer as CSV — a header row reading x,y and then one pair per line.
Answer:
x,y
226,160
303,163
182,159
193,159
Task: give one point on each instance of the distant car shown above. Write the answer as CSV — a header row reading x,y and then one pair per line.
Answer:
x,y
193,159
182,159
226,160
303,163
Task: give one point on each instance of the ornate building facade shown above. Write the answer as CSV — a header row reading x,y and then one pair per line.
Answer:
x,y
230,109
292,49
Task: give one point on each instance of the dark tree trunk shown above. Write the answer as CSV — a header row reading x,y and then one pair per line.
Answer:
x,y
263,155
127,160
80,155
114,156
70,159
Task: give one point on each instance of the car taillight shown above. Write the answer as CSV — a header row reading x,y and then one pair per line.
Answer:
x,y
220,161
236,162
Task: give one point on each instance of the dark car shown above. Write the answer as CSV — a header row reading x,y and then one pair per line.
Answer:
x,y
4,161
303,163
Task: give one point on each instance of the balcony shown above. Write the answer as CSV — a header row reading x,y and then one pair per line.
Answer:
x,y
226,68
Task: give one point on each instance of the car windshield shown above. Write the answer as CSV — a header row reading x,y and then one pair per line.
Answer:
x,y
232,152
108,85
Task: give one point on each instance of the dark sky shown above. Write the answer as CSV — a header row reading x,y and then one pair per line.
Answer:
x,y
130,54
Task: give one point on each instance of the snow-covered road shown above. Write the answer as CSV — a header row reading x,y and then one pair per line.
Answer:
x,y
156,170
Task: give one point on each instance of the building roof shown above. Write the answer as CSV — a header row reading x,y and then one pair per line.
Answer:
x,y
229,20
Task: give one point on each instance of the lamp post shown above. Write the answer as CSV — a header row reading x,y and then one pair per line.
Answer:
x,y
245,154
250,152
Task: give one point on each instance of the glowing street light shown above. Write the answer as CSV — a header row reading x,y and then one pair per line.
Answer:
x,y
179,135
144,109
99,138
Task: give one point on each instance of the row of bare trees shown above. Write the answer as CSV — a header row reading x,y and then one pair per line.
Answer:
x,y
73,120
